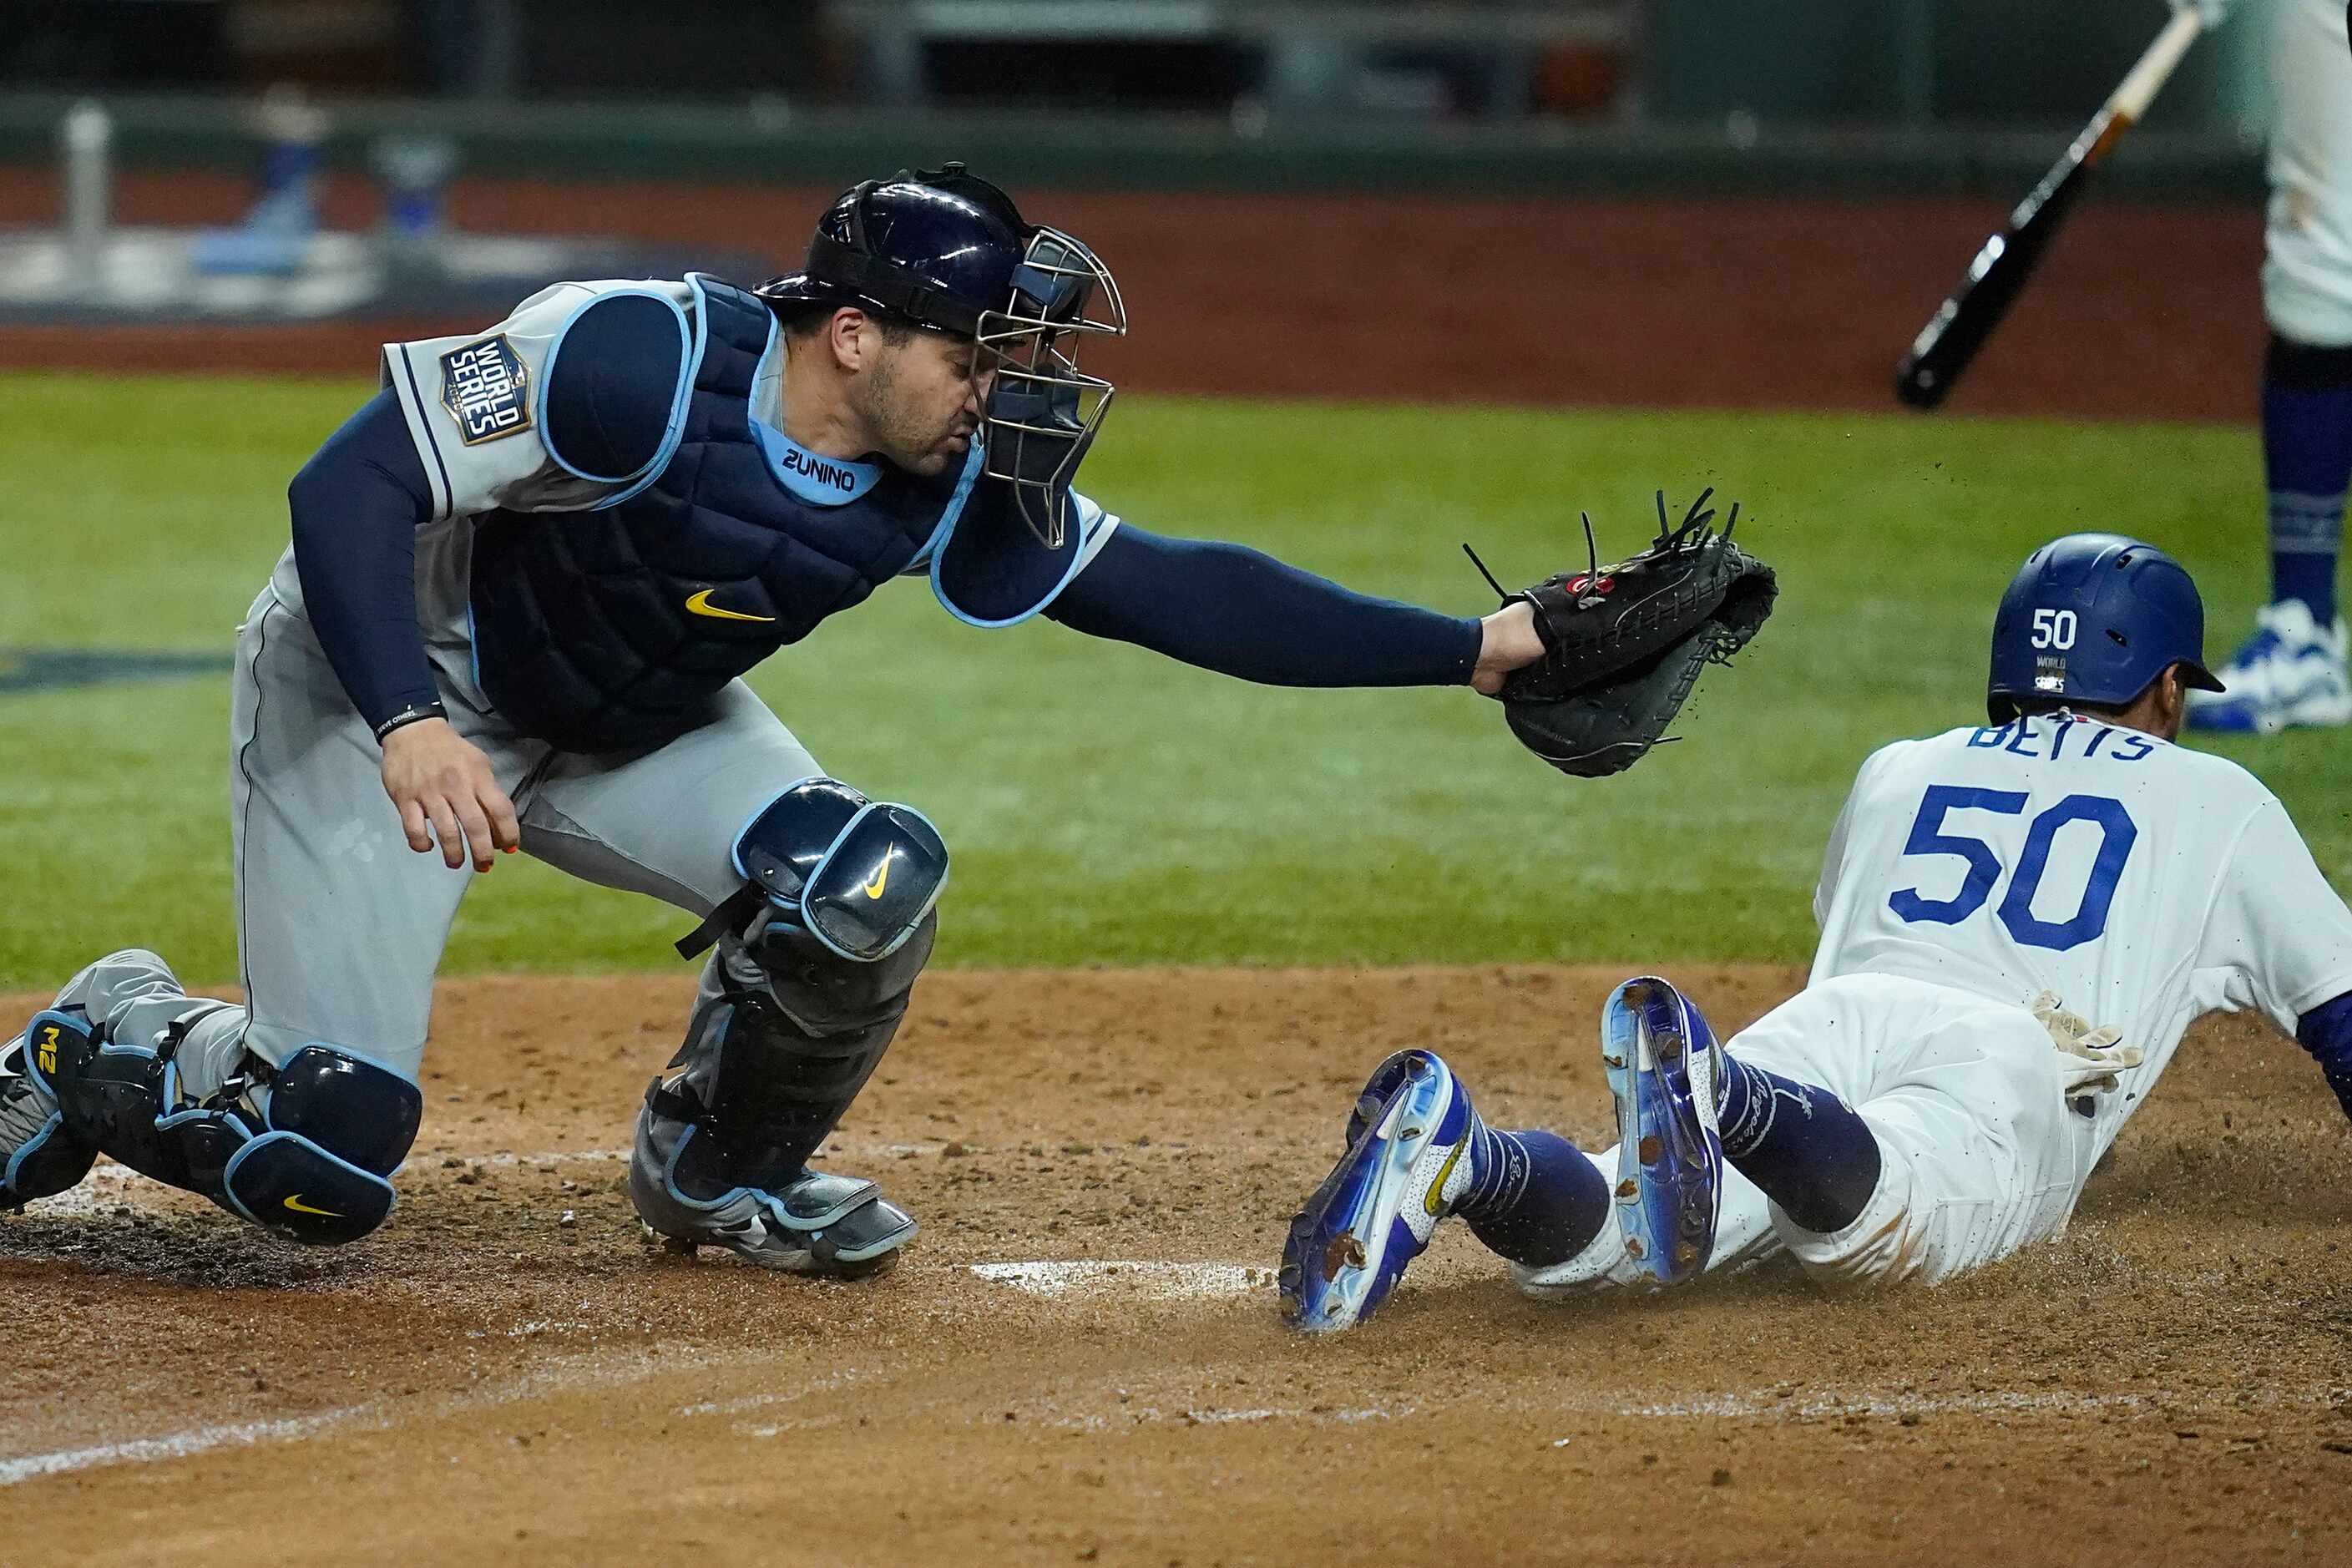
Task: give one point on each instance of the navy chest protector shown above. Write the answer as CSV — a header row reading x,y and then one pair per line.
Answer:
x,y
615,628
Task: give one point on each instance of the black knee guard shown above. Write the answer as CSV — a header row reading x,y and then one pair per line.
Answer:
x,y
39,1155
303,1149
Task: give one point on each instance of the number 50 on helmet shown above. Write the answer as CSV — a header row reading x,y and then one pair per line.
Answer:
x,y
2094,617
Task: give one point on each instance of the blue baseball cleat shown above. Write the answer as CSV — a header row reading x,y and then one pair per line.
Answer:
x,y
2289,673
1374,1212
1663,1063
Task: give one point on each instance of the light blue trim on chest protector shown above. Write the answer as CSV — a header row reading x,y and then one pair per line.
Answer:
x,y
804,475
814,480
820,481
974,464
689,350
585,626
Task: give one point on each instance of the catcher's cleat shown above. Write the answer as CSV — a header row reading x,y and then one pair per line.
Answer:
x,y
39,1157
1404,1170
1663,1063
838,1226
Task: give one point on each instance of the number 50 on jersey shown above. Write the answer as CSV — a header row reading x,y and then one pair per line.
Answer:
x,y
2117,834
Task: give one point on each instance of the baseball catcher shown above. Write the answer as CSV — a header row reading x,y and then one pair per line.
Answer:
x,y
1624,645
523,586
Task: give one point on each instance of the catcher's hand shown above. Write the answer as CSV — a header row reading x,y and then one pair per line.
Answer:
x,y
1624,645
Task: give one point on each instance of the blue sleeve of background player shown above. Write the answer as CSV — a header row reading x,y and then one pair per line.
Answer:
x,y
1237,611
355,508
2327,1033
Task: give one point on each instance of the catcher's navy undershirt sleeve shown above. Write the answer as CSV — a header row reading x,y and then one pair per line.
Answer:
x,y
1234,610
2327,1033
355,507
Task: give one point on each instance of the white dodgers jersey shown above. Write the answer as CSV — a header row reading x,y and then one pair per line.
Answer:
x,y
2144,883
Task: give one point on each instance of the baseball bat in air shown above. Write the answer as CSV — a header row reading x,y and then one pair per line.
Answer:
x,y
1946,345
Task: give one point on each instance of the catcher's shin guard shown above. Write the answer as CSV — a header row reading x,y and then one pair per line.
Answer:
x,y
769,1067
304,1149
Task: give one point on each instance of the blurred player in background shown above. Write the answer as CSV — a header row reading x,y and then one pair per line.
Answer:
x,y
1935,1099
2291,671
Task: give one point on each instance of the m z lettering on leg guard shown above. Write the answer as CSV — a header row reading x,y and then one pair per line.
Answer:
x,y
313,1162
48,1051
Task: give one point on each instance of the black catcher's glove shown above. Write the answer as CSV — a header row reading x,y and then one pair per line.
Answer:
x,y
1624,645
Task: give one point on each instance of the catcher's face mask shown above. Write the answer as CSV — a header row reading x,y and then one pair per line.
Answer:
x,y
947,250
1042,411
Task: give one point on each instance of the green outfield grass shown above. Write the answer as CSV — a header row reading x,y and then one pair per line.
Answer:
x,y
1105,805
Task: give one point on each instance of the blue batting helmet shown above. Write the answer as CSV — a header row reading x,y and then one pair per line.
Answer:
x,y
2094,617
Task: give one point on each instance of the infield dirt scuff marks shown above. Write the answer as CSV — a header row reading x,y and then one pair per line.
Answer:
x,y
480,1382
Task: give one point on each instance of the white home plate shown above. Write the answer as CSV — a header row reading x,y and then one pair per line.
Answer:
x,y
1145,1282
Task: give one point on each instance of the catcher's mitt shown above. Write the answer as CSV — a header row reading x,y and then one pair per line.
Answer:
x,y
1624,645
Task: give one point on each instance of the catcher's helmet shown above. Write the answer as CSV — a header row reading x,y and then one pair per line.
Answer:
x,y
949,251
934,247
2094,617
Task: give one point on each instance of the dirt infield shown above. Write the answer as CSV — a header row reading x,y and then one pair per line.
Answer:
x,y
2140,311
508,1372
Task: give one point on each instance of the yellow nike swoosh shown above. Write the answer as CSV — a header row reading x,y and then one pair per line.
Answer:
x,y
873,890
299,1207
701,604
1434,1203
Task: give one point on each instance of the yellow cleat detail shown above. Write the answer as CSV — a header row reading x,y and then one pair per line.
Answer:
x,y
1435,1202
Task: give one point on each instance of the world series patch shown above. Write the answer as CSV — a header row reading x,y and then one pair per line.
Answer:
x,y
486,390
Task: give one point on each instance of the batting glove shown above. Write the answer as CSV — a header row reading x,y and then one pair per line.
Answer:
x,y
2092,1058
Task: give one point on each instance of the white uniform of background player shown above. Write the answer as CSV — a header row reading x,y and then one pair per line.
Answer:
x,y
2293,671
2307,258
